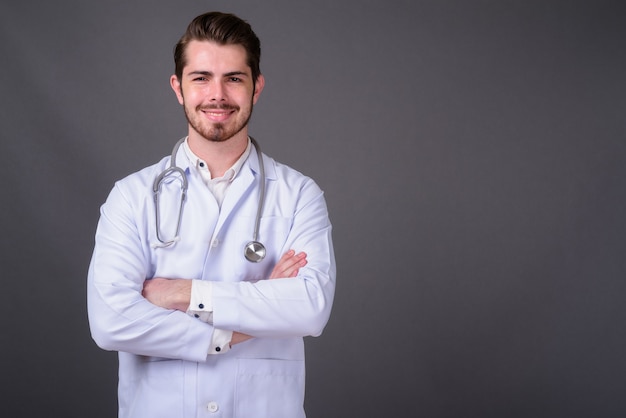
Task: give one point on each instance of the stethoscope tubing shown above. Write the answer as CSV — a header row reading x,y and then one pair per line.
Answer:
x,y
254,251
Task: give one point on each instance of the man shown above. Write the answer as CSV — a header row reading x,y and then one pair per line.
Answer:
x,y
200,330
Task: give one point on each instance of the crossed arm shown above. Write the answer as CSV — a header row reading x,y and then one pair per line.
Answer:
x,y
175,294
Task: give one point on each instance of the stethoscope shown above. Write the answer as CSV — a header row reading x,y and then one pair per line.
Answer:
x,y
253,251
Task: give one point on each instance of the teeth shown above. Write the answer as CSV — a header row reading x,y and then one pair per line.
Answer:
x,y
216,113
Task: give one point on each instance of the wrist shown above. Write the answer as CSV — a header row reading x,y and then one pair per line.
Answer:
x,y
238,337
181,295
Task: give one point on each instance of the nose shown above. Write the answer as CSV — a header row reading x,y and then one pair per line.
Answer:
x,y
217,92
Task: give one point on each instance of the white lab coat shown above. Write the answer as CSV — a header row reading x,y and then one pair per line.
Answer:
x,y
164,369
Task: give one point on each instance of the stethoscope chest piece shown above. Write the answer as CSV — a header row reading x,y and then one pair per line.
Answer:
x,y
254,251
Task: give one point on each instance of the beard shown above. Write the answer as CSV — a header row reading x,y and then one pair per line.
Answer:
x,y
218,131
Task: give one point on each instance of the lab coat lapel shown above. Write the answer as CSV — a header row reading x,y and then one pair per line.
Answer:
x,y
241,186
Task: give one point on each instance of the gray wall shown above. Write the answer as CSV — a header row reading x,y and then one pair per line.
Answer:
x,y
473,155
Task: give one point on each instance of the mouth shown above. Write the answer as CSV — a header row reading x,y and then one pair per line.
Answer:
x,y
218,114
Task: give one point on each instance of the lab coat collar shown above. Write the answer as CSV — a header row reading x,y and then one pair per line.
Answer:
x,y
183,161
202,168
268,163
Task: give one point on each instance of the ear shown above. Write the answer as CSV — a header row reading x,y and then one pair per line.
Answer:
x,y
175,83
258,88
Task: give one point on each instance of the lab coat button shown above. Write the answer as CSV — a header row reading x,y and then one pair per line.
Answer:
x,y
212,407
215,243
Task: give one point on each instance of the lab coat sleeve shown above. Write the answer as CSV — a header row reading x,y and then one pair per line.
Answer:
x,y
287,307
120,318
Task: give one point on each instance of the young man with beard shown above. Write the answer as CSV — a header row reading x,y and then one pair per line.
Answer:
x,y
201,329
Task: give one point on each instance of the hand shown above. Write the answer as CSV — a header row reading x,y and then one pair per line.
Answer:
x,y
289,265
168,293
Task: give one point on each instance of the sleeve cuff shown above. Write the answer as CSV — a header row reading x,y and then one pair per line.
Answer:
x,y
220,343
200,305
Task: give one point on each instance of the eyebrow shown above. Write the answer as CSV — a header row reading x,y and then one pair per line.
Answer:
x,y
205,73
209,73
232,73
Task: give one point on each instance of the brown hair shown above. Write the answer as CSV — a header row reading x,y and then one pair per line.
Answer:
x,y
224,29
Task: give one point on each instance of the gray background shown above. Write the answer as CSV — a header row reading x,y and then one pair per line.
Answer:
x,y
473,155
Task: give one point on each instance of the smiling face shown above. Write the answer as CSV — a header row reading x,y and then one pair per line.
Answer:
x,y
217,90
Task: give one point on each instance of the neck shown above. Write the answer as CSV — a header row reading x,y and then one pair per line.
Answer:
x,y
219,156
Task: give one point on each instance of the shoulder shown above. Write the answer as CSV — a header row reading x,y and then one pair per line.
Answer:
x,y
138,184
286,174
144,176
289,184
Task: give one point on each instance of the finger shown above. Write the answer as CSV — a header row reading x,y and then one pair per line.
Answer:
x,y
290,262
286,257
292,267
277,271
288,265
